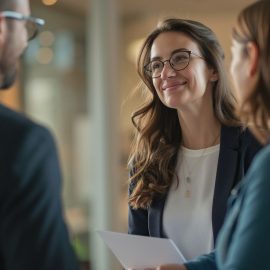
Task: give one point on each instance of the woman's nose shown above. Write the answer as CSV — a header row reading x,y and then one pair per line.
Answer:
x,y
167,70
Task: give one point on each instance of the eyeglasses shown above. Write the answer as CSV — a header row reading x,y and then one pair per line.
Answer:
x,y
179,60
32,24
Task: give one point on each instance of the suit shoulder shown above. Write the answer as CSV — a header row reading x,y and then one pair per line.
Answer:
x,y
245,133
12,119
18,131
263,159
248,139
13,124
258,178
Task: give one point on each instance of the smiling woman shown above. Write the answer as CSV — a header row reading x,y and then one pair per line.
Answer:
x,y
244,239
186,138
183,85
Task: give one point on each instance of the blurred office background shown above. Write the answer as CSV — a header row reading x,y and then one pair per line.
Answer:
x,y
77,78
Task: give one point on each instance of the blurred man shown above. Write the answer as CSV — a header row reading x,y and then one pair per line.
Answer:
x,y
33,234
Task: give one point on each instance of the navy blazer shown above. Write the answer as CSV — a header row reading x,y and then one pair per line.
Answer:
x,y
237,149
33,234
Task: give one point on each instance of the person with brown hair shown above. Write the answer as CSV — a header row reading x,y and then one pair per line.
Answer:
x,y
189,150
243,241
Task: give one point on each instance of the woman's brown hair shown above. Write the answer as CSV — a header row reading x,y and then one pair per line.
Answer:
x,y
253,25
158,132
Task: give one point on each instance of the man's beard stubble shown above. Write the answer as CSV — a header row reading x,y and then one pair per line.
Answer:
x,y
9,75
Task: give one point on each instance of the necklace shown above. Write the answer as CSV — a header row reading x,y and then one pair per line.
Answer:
x,y
194,171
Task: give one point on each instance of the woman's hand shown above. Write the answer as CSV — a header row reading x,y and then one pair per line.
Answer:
x,y
169,267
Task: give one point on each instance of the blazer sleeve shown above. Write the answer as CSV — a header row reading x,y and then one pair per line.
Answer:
x,y
33,232
137,218
204,262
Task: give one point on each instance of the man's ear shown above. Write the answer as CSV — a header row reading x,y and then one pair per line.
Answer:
x,y
253,58
3,29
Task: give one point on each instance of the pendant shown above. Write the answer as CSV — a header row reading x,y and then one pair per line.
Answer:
x,y
188,179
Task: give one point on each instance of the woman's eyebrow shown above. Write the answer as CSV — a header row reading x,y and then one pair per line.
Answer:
x,y
174,51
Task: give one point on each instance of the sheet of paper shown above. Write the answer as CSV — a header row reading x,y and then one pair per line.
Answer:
x,y
139,252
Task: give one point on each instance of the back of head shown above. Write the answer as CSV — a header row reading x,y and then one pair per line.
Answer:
x,y
253,25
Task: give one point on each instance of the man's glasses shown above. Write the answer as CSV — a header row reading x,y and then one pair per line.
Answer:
x,y
32,24
179,60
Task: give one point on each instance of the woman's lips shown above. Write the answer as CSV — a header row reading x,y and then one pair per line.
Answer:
x,y
173,86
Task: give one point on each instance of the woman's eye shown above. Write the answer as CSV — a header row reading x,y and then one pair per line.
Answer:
x,y
180,58
156,65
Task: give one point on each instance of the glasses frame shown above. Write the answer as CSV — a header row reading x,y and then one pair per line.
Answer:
x,y
18,16
146,67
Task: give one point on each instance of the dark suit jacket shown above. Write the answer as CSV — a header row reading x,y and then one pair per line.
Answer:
x,y
237,149
33,235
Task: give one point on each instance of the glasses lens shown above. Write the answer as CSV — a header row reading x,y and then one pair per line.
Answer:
x,y
32,29
155,68
180,60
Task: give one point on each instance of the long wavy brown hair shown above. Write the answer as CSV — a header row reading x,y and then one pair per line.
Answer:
x,y
158,133
253,25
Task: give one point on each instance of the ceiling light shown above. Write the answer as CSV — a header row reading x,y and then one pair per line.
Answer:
x,y
49,2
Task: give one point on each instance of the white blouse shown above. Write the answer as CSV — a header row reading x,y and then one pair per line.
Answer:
x,y
187,217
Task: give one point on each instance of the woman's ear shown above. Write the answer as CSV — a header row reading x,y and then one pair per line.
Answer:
x,y
213,76
253,58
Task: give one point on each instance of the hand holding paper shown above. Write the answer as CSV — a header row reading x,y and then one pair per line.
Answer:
x,y
140,252
167,267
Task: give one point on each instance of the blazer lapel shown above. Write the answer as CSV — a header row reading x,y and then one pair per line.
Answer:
x,y
226,174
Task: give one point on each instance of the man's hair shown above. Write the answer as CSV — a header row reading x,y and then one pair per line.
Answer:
x,y
7,4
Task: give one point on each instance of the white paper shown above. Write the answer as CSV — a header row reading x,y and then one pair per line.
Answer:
x,y
139,252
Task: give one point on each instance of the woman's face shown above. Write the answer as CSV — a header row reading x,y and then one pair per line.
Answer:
x,y
177,89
